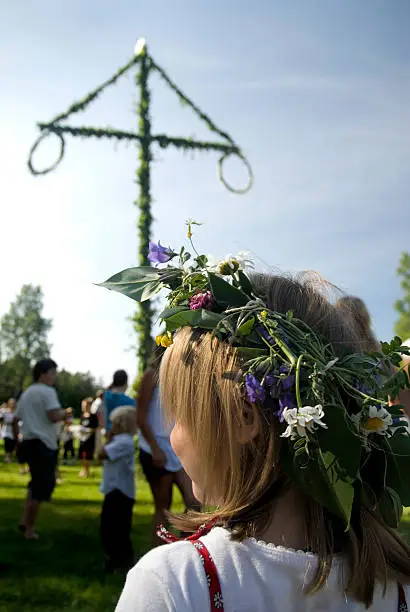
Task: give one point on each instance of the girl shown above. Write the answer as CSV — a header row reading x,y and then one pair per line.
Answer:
x,y
89,424
68,437
8,434
160,465
284,446
118,487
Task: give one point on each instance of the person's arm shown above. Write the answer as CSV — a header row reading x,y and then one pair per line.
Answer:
x,y
145,392
55,415
16,428
53,408
116,449
102,454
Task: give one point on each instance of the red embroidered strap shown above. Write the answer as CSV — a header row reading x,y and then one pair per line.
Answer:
x,y
402,605
214,586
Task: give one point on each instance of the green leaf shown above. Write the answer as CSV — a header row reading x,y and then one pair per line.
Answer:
x,y
204,319
373,471
132,281
325,470
201,260
248,353
339,436
150,290
318,475
245,283
170,312
391,508
246,328
225,294
398,465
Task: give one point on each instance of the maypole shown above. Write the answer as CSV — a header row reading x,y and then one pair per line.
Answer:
x,y
145,138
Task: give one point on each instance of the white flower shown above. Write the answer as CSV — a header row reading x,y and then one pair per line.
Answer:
x,y
240,261
244,260
302,420
374,419
140,46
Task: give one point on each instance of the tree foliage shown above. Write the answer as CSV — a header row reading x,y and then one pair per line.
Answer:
x,y
24,336
23,329
74,387
402,327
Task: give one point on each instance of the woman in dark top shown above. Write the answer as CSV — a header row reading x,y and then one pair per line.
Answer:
x,y
89,425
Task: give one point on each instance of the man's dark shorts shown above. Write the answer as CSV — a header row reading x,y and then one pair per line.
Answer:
x,y
42,462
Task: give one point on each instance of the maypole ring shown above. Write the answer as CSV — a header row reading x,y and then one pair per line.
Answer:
x,y
247,166
35,146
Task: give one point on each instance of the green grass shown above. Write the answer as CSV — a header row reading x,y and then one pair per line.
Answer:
x,y
63,570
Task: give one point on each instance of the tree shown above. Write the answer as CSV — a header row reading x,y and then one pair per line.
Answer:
x,y
402,327
23,333
74,387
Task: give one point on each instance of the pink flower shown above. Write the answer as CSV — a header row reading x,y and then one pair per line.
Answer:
x,y
201,300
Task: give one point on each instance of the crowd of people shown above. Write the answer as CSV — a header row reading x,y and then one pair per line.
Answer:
x,y
265,543
38,432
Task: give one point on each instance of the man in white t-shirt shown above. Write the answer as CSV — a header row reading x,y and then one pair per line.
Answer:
x,y
39,410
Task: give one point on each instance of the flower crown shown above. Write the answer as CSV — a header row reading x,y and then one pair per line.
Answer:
x,y
341,441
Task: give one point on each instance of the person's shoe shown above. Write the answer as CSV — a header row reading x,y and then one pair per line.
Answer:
x,y
31,535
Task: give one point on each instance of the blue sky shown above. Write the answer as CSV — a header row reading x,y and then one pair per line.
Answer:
x,y
317,94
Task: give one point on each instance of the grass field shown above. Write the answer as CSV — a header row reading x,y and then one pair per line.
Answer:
x,y
62,571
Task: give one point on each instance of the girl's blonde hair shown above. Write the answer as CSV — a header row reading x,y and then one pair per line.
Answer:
x,y
198,384
355,308
123,420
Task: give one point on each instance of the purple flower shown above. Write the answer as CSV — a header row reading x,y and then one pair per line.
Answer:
x,y
288,382
201,300
254,389
159,254
270,380
265,334
287,400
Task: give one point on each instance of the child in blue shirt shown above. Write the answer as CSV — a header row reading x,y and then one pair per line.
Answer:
x,y
118,487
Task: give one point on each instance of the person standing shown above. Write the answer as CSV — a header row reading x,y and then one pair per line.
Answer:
x,y
114,397
68,438
162,468
89,424
96,408
39,410
8,435
118,487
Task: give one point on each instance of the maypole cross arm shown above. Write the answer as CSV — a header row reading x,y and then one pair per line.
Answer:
x,y
224,144
227,147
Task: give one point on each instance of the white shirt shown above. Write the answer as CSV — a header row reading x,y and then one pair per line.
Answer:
x,y
32,409
161,431
119,468
254,577
96,406
8,425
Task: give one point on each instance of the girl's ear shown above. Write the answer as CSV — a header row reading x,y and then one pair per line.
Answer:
x,y
249,425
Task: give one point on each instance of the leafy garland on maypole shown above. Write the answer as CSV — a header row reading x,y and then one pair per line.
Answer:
x,y
143,316
145,138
